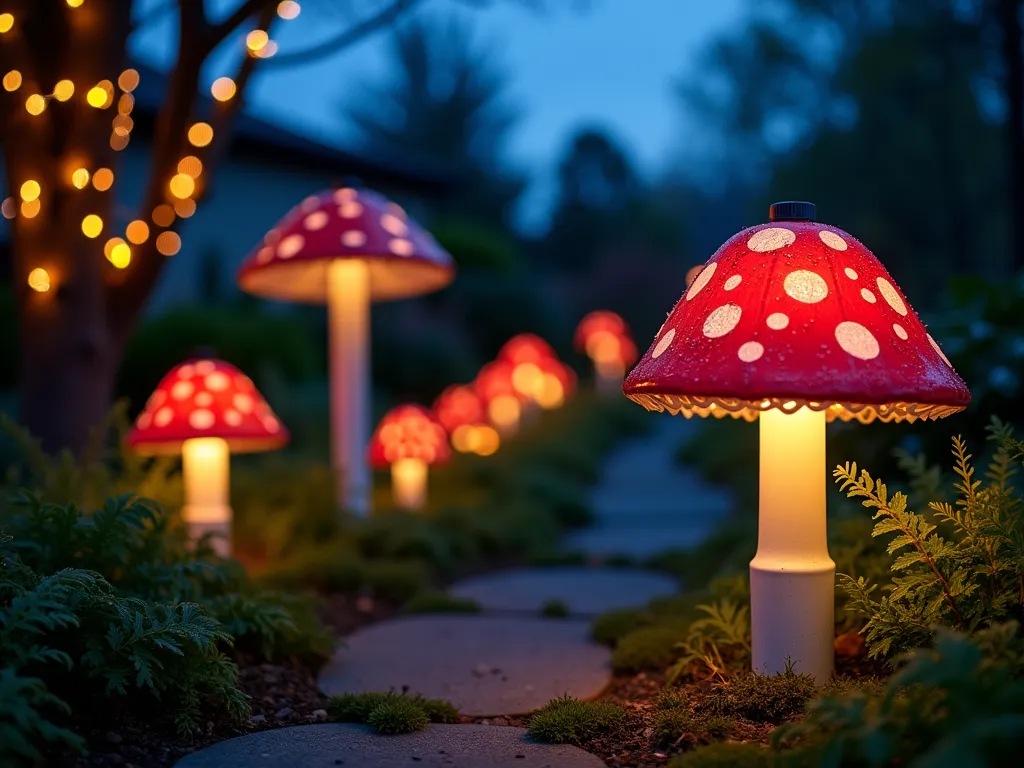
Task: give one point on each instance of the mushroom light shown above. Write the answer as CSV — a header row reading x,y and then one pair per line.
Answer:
x,y
604,337
204,409
504,404
408,440
463,414
795,323
537,375
346,248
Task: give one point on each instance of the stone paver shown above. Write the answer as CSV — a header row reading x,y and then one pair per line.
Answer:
x,y
646,502
586,591
439,746
484,665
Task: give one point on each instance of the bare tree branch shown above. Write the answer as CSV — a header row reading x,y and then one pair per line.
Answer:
x,y
234,20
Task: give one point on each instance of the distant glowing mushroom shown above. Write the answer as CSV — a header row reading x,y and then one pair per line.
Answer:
x,y
795,323
528,355
408,440
463,414
204,409
504,404
605,338
347,247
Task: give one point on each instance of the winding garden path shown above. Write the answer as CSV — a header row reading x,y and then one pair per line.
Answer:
x,y
507,660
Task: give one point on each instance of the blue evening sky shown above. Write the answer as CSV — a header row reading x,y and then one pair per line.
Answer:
x,y
611,64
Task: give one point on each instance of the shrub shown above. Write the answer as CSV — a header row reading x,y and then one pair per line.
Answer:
x,y
761,698
554,609
717,644
725,755
647,649
398,714
440,602
391,712
609,627
570,721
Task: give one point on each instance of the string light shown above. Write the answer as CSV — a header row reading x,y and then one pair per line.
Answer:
x,y
128,80
200,134
39,280
123,125
137,232
256,40
182,185
75,3
35,104
30,209
80,178
163,215
288,9
103,179
101,94
223,88
125,104
9,207
30,190
63,90
6,22
118,142
185,208
191,165
168,243
118,252
12,80
92,225
266,51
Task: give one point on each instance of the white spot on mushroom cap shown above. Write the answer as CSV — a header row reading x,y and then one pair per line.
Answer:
x,y
232,417
290,246
777,321
144,420
722,320
182,389
243,402
186,371
270,423
899,330
891,296
868,296
856,340
805,286
771,239
316,221
344,195
310,204
750,352
350,210
157,399
663,343
217,381
850,273
393,224
832,240
732,282
354,238
935,346
400,247
201,419
163,417
264,255
204,399
205,367
701,280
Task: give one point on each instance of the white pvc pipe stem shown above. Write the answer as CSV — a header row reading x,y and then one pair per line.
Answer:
x,y
792,577
409,483
205,469
348,311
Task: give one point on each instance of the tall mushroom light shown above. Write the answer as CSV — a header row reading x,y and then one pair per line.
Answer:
x,y
795,323
347,248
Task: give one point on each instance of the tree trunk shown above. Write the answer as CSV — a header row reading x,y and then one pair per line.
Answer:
x,y
1013,63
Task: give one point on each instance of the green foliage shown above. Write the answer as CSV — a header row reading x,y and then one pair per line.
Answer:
x,y
715,644
725,755
610,627
958,703
960,566
761,698
26,709
440,602
570,721
647,649
391,712
674,723
554,609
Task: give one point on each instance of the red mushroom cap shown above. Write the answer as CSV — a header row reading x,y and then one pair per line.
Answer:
x,y
291,263
459,405
525,348
206,398
595,322
796,313
409,432
565,375
495,380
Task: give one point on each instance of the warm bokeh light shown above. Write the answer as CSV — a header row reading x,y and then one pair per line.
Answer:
x,y
101,94
266,51
163,215
128,80
692,272
39,280
551,393
63,90
75,3
103,179
9,208
35,104
256,40
190,166
12,80
125,104
117,143
481,439
223,89
80,178
504,411
527,380
168,243
137,231
122,125
288,9
182,185
200,134
92,225
184,208
118,252
6,22
30,209
30,190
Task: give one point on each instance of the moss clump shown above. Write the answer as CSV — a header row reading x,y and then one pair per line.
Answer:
x,y
761,698
554,609
844,684
674,723
390,711
725,755
609,627
440,602
398,714
571,721
648,648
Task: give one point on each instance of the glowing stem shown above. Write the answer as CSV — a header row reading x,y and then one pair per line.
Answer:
x,y
409,483
792,577
348,309
205,463
609,376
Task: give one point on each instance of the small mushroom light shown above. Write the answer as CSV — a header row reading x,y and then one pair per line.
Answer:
x,y
536,371
504,404
205,409
408,440
604,337
463,414
346,248
795,323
